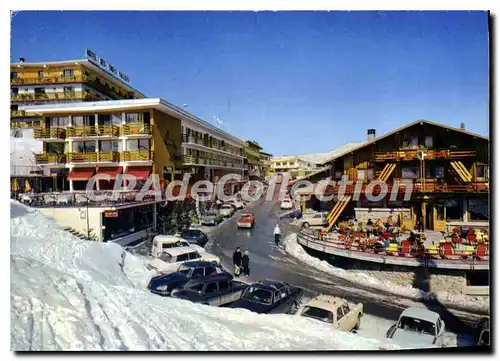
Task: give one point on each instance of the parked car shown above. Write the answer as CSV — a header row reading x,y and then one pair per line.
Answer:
x,y
195,236
293,215
163,242
164,284
246,220
212,218
270,297
335,311
313,219
237,203
170,260
215,290
482,334
226,210
286,204
418,326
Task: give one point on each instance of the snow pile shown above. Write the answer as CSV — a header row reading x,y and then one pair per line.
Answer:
x,y
22,158
293,248
320,158
69,294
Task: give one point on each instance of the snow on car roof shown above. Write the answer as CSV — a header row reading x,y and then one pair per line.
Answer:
x,y
180,250
168,239
326,302
421,314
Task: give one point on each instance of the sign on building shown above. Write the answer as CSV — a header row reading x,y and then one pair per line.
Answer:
x,y
104,65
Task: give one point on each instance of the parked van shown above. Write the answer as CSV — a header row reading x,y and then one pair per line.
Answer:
x,y
313,219
170,259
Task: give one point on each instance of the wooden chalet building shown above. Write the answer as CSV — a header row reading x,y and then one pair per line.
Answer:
x,y
447,166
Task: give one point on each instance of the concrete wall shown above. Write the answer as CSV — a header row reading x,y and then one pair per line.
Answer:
x,y
76,218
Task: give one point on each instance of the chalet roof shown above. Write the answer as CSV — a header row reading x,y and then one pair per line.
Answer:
x,y
421,121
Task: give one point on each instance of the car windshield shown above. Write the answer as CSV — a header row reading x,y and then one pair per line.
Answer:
x,y
165,257
258,295
183,269
318,313
416,325
246,216
190,233
175,244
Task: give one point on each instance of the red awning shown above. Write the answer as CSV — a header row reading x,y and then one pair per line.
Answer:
x,y
81,174
111,171
140,173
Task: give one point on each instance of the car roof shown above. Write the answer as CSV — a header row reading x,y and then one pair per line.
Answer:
x,y
180,250
213,278
326,302
421,314
270,284
191,230
197,264
168,239
246,214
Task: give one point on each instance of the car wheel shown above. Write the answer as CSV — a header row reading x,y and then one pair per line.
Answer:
x,y
358,323
294,308
305,225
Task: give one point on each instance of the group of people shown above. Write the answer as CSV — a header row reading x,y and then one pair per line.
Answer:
x,y
241,261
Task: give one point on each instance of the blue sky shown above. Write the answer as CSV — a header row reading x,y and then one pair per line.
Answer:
x,y
297,82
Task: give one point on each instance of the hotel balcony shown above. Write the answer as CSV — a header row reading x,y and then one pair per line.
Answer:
x,y
51,133
45,158
190,139
29,97
136,156
200,161
136,129
430,154
89,157
47,80
107,130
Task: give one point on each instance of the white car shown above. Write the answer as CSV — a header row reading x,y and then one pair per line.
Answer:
x,y
162,243
237,203
418,326
286,204
226,210
170,260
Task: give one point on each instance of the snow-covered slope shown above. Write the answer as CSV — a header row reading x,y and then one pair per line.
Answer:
x,y
319,158
22,159
69,294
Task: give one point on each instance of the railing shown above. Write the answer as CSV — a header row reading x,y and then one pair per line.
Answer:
x,y
136,155
17,113
83,157
430,154
109,156
201,141
136,129
47,80
50,133
82,131
190,160
45,158
52,96
108,129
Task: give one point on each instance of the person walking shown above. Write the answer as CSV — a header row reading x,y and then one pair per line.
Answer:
x,y
245,263
277,234
237,260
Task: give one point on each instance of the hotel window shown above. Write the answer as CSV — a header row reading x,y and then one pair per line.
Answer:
x,y
15,91
54,148
480,171
409,172
429,141
68,73
83,120
109,146
41,74
84,147
39,90
104,119
13,75
68,89
58,121
137,117
138,144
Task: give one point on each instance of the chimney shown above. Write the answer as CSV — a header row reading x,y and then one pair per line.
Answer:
x,y
21,60
371,134
462,125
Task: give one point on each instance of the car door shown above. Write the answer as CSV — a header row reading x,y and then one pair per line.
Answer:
x,y
317,219
226,294
211,294
349,317
341,320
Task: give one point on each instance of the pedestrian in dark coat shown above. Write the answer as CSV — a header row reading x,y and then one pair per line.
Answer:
x,y
246,264
237,260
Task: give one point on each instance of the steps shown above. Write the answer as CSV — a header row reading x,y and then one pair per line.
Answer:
x,y
336,211
462,172
386,172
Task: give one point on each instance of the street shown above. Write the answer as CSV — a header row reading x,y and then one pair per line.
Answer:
x,y
269,261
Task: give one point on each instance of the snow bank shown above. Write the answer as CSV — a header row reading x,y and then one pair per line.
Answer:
x,y
22,158
69,294
319,158
293,248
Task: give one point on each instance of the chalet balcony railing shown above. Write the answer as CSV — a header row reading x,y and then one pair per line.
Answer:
x,y
136,129
46,158
430,154
109,156
82,131
46,80
136,155
50,133
83,157
108,129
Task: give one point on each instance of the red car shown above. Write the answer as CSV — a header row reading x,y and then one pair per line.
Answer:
x,y
246,220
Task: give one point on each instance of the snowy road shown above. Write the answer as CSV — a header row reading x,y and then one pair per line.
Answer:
x,y
268,261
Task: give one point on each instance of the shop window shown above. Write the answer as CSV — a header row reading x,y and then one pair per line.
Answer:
x,y
410,172
480,171
439,172
478,209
